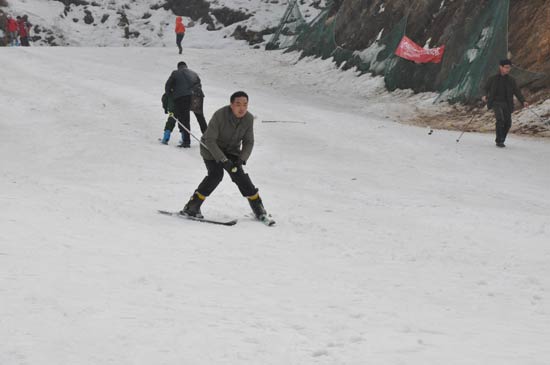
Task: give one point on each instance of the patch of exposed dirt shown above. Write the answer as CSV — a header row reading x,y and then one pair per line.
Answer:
x,y
477,119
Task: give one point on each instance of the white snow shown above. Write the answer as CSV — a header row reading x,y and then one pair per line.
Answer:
x,y
379,36
427,44
535,114
392,246
157,30
370,54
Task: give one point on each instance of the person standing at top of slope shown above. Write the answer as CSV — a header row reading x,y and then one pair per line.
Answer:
x,y
227,145
499,96
12,30
23,27
180,32
179,87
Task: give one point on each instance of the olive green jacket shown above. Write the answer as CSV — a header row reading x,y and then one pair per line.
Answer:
x,y
228,135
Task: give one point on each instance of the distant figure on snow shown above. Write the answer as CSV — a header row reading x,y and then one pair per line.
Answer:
x,y
12,31
499,96
179,89
180,32
23,28
227,145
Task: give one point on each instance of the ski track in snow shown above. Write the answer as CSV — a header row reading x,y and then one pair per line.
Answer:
x,y
391,246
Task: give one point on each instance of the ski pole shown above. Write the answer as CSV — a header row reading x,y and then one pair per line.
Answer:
x,y
538,116
464,129
233,170
188,131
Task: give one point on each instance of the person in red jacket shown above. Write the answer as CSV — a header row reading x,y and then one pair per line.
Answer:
x,y
23,31
180,32
12,31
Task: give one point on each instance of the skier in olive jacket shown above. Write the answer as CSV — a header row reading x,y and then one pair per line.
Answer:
x,y
499,96
227,145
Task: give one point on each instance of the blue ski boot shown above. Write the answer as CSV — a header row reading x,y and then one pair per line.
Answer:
x,y
166,137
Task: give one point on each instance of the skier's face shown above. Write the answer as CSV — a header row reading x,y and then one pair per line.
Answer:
x,y
505,70
239,106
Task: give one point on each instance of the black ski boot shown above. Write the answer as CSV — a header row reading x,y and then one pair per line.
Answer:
x,y
259,210
257,206
193,206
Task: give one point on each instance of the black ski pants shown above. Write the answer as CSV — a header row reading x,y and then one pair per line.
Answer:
x,y
196,107
215,176
182,106
179,38
171,122
503,116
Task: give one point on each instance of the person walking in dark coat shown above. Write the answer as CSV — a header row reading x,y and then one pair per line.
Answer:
x,y
196,107
180,87
499,96
227,145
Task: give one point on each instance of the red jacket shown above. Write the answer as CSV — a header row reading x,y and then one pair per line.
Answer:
x,y
12,25
180,28
22,28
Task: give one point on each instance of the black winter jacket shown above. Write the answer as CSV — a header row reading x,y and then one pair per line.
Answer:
x,y
182,82
510,89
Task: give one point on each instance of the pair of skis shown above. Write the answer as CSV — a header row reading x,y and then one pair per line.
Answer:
x,y
264,219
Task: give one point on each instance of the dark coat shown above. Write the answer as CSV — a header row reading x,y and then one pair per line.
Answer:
x,y
168,104
510,89
182,82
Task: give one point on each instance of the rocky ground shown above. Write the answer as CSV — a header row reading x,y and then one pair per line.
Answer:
x,y
479,119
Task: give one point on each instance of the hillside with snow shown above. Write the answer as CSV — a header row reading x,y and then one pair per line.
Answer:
x,y
145,23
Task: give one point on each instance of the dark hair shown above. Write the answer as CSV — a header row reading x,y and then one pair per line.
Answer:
x,y
181,63
505,62
238,94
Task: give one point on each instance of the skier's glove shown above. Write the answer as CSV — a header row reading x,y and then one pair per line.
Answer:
x,y
240,162
229,166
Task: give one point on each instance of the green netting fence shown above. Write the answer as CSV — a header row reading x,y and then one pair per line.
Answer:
x,y
473,48
478,46
291,25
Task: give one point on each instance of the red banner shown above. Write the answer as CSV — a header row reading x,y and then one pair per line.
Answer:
x,y
411,51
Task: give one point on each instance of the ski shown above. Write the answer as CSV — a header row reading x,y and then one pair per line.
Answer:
x,y
204,220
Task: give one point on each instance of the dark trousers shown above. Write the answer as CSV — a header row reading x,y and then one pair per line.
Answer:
x,y
215,176
179,38
196,108
181,111
171,122
201,120
503,116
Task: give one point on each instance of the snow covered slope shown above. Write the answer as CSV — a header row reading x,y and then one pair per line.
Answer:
x,y
141,22
392,246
